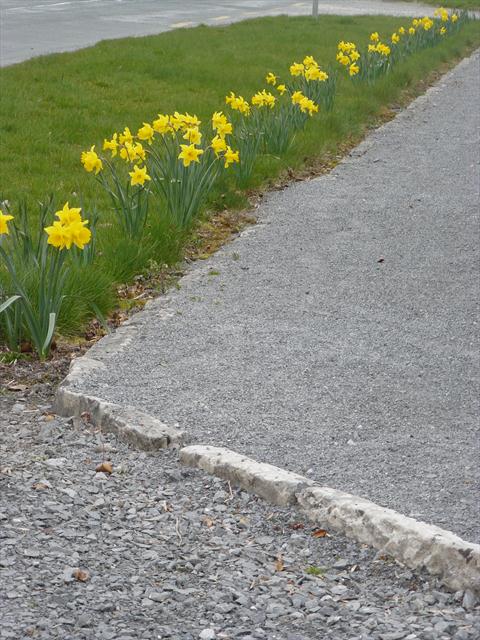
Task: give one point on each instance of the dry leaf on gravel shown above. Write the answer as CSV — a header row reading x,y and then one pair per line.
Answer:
x,y
40,486
17,387
81,575
297,525
320,533
104,467
208,522
279,565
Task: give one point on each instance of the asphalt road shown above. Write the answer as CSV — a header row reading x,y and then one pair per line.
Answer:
x,y
33,27
339,336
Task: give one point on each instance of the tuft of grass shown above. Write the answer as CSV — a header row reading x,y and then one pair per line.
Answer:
x,y
315,571
53,107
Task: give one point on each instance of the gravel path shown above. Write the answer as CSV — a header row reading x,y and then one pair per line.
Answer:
x,y
338,337
157,551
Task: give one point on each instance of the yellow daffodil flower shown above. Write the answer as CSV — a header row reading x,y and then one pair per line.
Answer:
x,y
178,121
308,105
243,106
132,152
68,215
416,22
343,59
442,14
189,153
411,31
4,220
230,98
146,133
218,119
218,145
309,61
238,103
297,97
162,124
443,31
191,121
193,135
383,49
346,47
314,73
269,99
230,157
224,129
395,38
126,136
454,18
353,69
59,235
427,23
111,145
281,88
297,69
354,56
374,37
91,162
401,31
79,234
138,175
271,78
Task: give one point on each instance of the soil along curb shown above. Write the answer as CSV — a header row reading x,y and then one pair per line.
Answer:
x,y
129,424
413,543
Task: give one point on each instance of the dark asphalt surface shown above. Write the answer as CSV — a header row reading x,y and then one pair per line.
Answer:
x,y
34,27
339,336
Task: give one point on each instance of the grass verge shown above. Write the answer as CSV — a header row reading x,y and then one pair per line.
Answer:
x,y
53,107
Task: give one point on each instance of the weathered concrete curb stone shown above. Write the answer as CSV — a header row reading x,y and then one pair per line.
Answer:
x,y
127,423
413,543
272,483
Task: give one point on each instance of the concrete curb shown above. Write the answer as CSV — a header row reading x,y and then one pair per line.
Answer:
x,y
413,543
129,424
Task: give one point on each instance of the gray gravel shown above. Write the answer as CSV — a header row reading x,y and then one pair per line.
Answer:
x,y
157,551
34,27
339,337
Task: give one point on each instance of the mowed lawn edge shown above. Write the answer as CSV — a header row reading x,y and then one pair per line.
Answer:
x,y
55,106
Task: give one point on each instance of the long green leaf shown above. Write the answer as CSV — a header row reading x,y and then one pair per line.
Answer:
x,y
8,302
51,329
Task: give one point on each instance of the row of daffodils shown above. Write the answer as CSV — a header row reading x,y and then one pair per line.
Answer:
x,y
378,57
174,162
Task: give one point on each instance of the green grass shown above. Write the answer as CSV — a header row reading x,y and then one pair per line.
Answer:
x,y
53,107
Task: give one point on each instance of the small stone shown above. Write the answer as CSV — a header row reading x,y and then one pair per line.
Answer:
x,y
56,462
207,634
18,407
67,575
469,600
444,627
225,607
341,564
84,620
